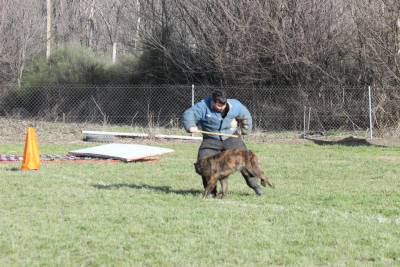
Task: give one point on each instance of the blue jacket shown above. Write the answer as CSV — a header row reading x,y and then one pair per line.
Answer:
x,y
201,114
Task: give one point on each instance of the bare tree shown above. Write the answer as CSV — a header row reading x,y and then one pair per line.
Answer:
x,y
22,30
258,41
379,44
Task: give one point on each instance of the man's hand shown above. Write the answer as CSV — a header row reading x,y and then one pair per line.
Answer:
x,y
234,123
194,129
244,126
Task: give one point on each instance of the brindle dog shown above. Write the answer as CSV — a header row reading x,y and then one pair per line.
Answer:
x,y
220,166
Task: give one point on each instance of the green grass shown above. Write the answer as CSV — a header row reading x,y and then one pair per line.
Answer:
x,y
332,205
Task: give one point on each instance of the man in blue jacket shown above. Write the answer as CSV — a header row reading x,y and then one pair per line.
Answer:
x,y
218,114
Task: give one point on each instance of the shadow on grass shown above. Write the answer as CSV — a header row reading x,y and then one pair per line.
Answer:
x,y
348,141
163,189
13,169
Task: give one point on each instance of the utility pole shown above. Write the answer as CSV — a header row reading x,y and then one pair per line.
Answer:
x,y
49,8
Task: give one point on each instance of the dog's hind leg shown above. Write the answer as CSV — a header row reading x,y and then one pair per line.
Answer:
x,y
265,181
260,174
253,169
256,172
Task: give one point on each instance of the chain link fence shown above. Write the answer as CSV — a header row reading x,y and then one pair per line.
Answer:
x,y
277,110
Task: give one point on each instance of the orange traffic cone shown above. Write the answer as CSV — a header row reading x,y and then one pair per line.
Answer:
x,y
31,160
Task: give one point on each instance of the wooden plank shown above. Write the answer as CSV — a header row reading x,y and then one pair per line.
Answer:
x,y
142,135
219,134
184,137
116,134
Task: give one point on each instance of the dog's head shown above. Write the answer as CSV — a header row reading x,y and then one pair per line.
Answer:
x,y
202,167
198,167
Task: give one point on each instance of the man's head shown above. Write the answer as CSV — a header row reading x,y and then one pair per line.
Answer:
x,y
219,101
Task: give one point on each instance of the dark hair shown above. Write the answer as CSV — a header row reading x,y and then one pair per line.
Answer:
x,y
219,97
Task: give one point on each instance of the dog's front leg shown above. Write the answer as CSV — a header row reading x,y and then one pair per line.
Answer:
x,y
210,185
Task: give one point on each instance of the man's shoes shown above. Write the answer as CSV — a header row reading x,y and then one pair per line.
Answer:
x,y
211,195
258,190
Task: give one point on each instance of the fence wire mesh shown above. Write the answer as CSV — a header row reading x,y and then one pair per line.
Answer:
x,y
275,109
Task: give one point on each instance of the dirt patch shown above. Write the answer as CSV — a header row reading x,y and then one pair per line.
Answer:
x,y
14,131
355,141
390,158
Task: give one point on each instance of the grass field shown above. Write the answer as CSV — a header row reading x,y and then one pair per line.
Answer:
x,y
332,205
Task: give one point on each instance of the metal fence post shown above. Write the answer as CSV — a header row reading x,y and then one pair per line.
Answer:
x,y
304,122
370,112
192,95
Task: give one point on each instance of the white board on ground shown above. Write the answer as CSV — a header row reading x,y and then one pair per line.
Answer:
x,y
125,152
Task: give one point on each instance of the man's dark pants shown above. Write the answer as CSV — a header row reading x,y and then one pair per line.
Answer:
x,y
210,147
